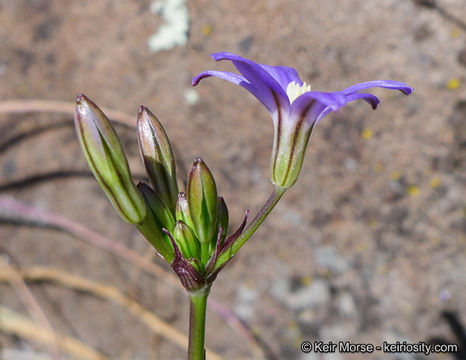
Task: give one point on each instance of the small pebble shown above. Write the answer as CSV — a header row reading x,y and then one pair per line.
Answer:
x,y
191,96
444,295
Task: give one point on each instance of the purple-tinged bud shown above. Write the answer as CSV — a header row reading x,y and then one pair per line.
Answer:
x,y
157,155
222,217
187,241
158,217
106,158
202,201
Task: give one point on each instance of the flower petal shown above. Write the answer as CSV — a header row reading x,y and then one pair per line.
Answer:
x,y
282,74
372,100
261,95
260,77
311,104
369,98
387,84
225,75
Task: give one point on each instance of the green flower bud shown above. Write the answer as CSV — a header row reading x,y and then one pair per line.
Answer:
x,y
186,240
222,217
158,217
182,210
202,201
106,158
157,155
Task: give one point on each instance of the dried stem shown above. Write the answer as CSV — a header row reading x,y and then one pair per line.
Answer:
x,y
13,209
31,304
65,107
106,292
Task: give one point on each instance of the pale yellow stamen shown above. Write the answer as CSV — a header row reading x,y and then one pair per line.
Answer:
x,y
294,90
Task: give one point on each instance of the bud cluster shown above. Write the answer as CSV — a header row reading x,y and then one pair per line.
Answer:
x,y
189,230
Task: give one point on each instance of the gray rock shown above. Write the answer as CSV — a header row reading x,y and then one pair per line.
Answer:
x,y
316,294
328,258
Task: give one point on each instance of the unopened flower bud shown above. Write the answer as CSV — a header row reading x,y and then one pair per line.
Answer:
x,y
157,155
186,240
106,158
158,217
202,201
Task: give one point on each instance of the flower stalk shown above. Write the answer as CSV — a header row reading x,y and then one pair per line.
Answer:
x,y
273,199
197,320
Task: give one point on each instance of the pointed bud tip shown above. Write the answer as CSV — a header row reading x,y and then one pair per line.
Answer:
x,y
85,105
80,98
142,111
196,165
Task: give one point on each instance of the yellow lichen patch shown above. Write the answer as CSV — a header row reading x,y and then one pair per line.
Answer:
x,y
367,133
378,168
413,190
455,33
256,330
395,175
249,284
382,269
453,84
306,280
206,30
435,182
361,246
373,223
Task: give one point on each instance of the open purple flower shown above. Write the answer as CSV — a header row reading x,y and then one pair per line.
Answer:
x,y
295,109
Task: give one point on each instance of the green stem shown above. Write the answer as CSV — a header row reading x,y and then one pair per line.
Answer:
x,y
252,227
198,302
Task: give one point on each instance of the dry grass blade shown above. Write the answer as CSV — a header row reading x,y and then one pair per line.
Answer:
x,y
13,323
110,293
30,303
14,209
65,107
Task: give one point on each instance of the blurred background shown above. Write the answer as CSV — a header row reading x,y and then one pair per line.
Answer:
x,y
368,246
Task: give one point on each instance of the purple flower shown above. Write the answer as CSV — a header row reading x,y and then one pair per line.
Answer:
x,y
295,109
